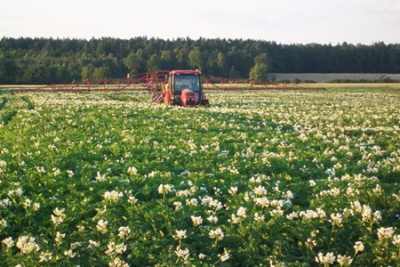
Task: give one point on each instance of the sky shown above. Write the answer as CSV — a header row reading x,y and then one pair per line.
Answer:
x,y
282,21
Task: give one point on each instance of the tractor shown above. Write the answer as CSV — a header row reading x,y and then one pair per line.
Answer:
x,y
184,88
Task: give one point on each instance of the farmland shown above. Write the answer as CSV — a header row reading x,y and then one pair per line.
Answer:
x,y
271,178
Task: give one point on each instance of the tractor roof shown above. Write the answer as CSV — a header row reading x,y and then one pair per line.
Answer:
x,y
179,72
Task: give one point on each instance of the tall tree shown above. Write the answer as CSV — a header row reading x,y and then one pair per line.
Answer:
x,y
153,63
233,73
196,58
260,70
101,73
166,60
87,72
133,63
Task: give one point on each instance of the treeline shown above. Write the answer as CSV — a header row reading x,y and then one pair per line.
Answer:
x,y
47,60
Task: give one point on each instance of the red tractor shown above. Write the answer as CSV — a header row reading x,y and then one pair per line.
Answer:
x,y
184,88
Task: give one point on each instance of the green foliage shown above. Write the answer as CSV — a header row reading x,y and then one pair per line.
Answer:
x,y
29,102
101,73
196,58
3,102
40,60
132,62
7,116
154,63
259,72
8,69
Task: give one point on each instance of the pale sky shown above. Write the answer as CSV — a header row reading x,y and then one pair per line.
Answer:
x,y
282,21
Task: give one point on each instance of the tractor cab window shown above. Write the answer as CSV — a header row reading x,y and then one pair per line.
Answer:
x,y
191,82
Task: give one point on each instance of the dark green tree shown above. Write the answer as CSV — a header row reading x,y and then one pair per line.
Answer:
x,y
233,73
101,73
133,63
153,63
166,60
47,60
87,72
8,70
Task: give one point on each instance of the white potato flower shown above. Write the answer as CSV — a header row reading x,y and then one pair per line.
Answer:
x,y
124,231
27,244
132,171
216,234
344,260
396,240
197,220
102,226
182,253
180,234
8,242
225,256
328,258
233,190
69,254
45,256
359,246
385,233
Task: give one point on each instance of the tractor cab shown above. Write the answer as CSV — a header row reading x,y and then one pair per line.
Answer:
x,y
184,88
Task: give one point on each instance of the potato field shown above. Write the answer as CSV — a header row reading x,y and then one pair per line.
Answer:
x,y
269,178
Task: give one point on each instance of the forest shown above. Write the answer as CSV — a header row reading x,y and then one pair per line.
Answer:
x,y
48,60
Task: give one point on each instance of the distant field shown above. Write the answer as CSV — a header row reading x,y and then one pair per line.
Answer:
x,y
328,77
376,87
11,86
355,86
